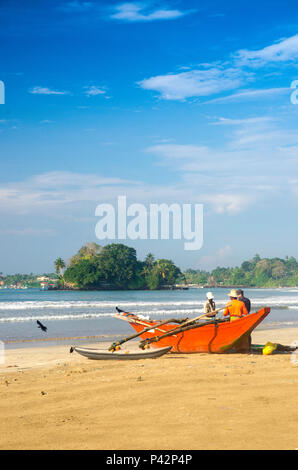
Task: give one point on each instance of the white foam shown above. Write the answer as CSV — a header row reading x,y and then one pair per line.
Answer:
x,y
31,305
54,317
279,301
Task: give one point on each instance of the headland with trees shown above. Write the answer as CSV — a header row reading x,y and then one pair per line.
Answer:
x,y
115,266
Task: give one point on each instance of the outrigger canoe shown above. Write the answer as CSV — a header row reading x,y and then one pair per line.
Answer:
x,y
217,336
93,353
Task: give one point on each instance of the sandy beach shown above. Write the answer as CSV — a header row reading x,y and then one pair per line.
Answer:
x,y
51,399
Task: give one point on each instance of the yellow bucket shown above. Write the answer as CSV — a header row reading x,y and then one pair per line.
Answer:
x,y
269,348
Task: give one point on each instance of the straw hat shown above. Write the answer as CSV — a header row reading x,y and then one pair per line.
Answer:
x,y
209,295
233,293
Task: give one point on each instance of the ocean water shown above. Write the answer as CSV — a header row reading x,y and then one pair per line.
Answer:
x,y
81,313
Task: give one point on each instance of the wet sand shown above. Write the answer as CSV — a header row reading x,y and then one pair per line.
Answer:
x,y
51,399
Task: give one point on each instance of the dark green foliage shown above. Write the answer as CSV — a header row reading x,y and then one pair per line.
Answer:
x,y
161,273
88,251
258,272
116,267
84,274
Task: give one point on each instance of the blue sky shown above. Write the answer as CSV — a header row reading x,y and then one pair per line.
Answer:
x,y
161,101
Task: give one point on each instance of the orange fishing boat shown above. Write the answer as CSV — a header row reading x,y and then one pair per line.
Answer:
x,y
215,336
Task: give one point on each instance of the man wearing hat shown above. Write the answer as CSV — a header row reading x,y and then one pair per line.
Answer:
x,y
209,305
236,309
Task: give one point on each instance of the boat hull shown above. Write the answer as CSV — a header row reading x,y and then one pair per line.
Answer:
x,y
212,338
101,354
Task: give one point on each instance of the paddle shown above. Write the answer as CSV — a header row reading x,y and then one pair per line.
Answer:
x,y
148,328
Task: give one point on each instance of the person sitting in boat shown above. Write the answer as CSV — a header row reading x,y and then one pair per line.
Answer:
x,y
209,307
236,309
240,296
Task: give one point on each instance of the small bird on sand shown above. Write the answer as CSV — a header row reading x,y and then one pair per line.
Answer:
x,y
41,326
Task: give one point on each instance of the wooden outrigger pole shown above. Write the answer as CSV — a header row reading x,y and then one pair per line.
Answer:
x,y
180,329
148,328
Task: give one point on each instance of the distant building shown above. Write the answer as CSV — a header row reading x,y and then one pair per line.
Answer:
x,y
42,278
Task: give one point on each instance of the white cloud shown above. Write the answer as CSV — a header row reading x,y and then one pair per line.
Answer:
x,y
58,194
226,250
57,189
215,175
293,184
58,179
221,256
258,133
38,90
217,77
263,138
230,203
253,162
94,91
284,50
138,12
247,121
195,83
178,151
251,95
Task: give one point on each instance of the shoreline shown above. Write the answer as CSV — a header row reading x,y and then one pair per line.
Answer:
x,y
37,348
167,288
102,338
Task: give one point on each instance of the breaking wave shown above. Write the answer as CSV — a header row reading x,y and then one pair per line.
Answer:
x,y
278,302
31,305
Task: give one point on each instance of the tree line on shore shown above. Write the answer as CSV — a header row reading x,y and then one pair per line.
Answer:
x,y
116,266
257,272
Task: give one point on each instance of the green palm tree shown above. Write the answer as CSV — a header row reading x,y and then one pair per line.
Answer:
x,y
148,264
149,260
162,268
59,266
